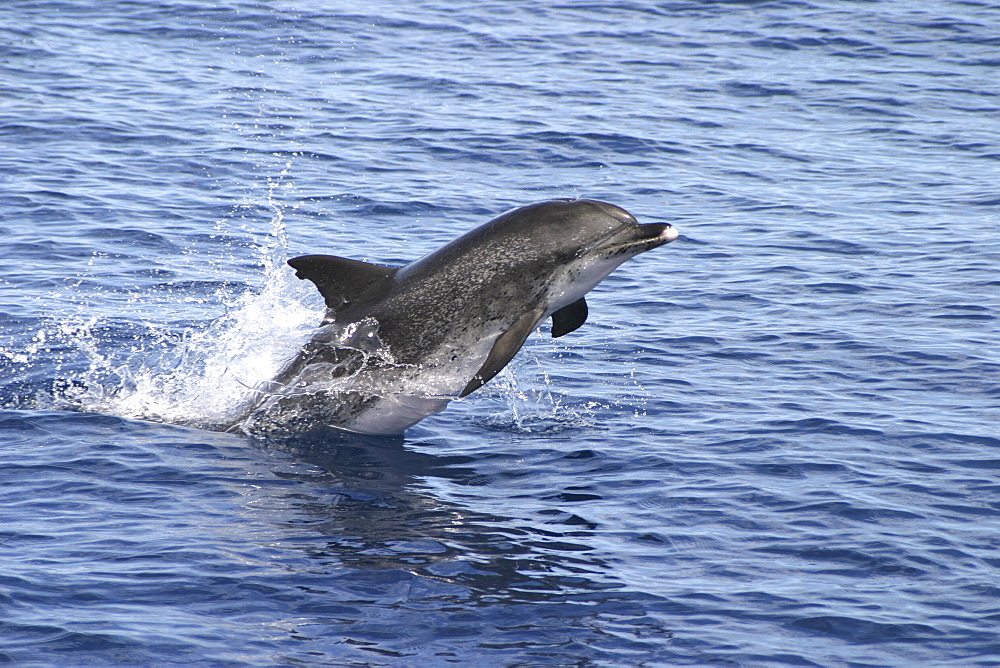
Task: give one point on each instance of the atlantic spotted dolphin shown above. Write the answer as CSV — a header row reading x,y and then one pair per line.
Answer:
x,y
398,343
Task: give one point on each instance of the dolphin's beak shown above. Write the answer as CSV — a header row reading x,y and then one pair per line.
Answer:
x,y
662,232
638,239
650,236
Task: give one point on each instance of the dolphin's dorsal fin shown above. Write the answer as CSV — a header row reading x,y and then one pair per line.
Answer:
x,y
569,317
344,282
504,349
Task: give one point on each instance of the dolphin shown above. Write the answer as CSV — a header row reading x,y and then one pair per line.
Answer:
x,y
397,344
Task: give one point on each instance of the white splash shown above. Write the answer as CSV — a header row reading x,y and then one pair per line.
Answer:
x,y
202,376
217,370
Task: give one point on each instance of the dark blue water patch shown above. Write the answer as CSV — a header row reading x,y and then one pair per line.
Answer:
x,y
194,287
945,438
844,288
770,151
134,237
62,641
854,563
593,142
48,250
978,463
861,631
58,129
745,89
964,316
851,511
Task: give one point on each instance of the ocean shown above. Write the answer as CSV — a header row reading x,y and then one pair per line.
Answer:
x,y
774,442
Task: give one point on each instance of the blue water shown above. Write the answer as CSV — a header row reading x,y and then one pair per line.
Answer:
x,y
774,442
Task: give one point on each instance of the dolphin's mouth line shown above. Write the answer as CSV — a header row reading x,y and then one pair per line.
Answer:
x,y
664,234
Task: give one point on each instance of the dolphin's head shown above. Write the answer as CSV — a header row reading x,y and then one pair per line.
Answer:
x,y
576,229
585,240
565,246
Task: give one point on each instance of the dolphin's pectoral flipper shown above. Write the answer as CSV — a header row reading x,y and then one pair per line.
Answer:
x,y
504,349
343,282
569,318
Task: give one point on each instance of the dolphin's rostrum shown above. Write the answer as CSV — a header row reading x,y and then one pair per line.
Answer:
x,y
397,344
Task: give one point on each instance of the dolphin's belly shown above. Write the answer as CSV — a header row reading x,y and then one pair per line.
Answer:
x,y
424,389
393,414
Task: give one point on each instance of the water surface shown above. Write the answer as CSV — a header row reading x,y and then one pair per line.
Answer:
x,y
773,443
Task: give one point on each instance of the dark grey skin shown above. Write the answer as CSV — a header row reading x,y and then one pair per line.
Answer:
x,y
397,344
